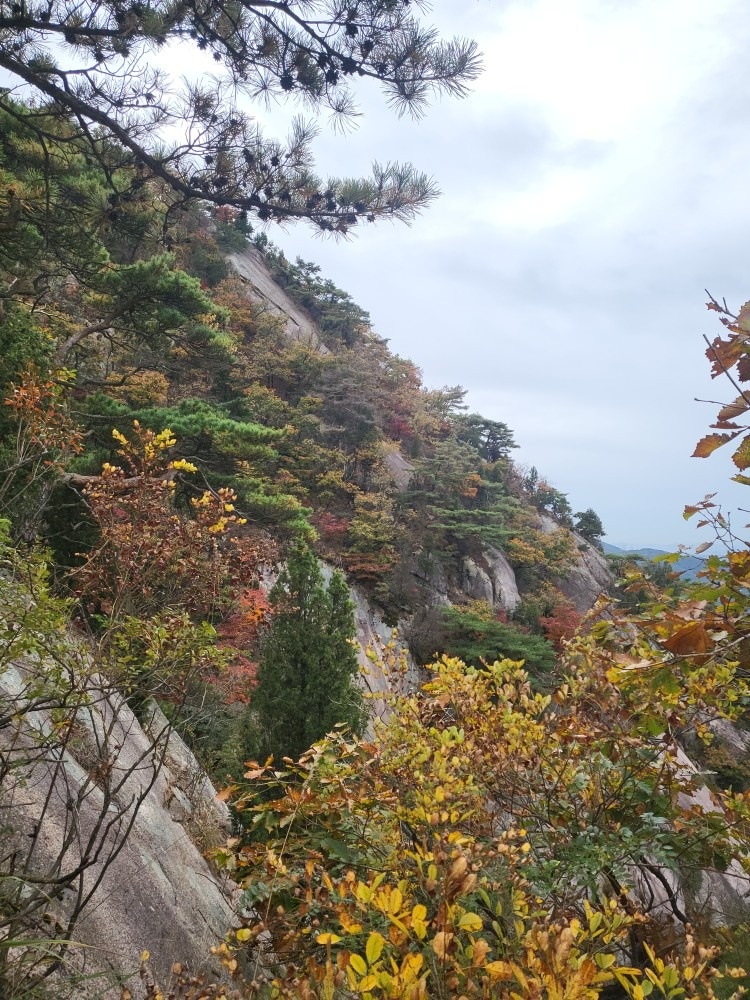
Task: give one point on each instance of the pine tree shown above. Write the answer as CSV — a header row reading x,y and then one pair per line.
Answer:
x,y
589,524
308,665
307,53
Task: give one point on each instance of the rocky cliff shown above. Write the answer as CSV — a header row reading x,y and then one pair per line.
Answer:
x,y
111,816
271,297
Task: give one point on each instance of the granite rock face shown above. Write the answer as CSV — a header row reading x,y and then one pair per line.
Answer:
x,y
490,578
720,896
590,576
264,291
132,802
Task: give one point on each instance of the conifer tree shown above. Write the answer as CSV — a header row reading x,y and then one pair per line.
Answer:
x,y
589,524
98,64
308,665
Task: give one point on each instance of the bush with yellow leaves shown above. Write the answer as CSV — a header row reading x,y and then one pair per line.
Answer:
x,y
486,843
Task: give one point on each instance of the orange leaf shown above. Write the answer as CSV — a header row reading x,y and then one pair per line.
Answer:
x,y
725,425
256,772
735,409
708,444
441,944
723,354
691,638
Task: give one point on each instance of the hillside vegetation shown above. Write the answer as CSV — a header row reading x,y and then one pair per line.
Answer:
x,y
528,823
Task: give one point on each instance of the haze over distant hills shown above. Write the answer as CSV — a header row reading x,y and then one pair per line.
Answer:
x,y
688,566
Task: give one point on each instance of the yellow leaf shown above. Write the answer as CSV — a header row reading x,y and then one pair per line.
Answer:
x,y
518,973
358,964
327,938
411,965
470,922
385,980
374,947
499,970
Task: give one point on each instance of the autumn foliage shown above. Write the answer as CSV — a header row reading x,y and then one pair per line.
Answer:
x,y
239,632
562,624
485,844
730,358
150,555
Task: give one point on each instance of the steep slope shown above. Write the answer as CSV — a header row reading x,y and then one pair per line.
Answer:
x,y
264,290
483,571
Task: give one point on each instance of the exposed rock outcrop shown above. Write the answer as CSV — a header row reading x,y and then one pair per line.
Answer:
x,y
130,805
721,897
491,578
589,577
400,468
263,289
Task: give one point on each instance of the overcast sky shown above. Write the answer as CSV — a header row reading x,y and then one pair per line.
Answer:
x,y
594,183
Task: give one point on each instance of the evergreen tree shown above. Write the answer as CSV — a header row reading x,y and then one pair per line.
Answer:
x,y
589,524
491,438
308,665
458,507
309,53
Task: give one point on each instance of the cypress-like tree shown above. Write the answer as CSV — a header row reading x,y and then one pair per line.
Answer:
x,y
308,664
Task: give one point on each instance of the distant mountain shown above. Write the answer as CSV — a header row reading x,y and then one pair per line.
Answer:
x,y
687,566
